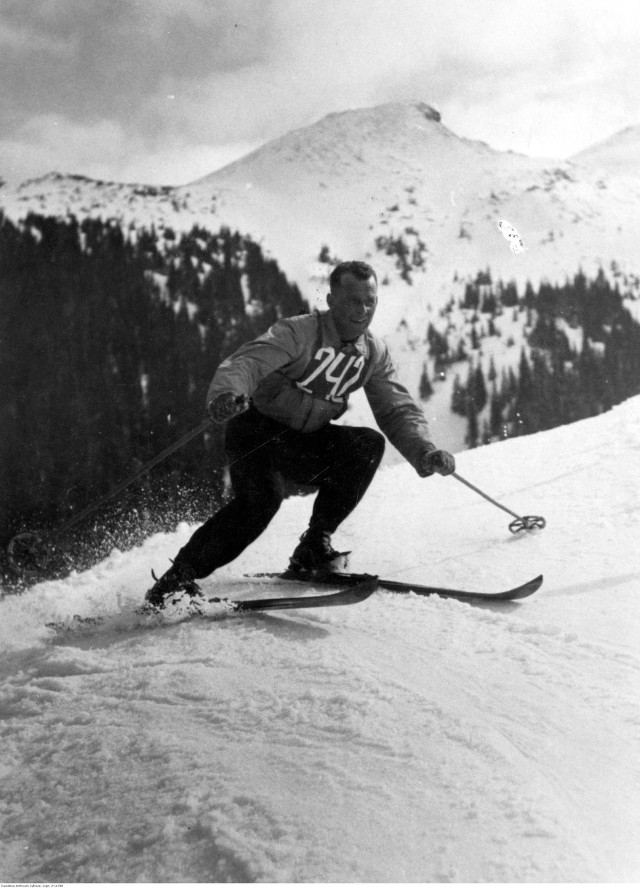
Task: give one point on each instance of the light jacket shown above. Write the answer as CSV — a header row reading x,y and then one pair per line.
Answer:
x,y
301,374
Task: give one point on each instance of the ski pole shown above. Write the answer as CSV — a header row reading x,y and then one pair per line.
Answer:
x,y
520,522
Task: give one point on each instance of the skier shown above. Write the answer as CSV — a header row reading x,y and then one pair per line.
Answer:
x,y
279,395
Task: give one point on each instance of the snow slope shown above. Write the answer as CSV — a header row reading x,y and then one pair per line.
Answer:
x,y
617,155
403,739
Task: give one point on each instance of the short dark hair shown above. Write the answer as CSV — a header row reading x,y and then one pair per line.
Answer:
x,y
361,270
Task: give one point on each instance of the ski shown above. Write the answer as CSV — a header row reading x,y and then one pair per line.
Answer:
x,y
351,593
357,588
354,591
330,578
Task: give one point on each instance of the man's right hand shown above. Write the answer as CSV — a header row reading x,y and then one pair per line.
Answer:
x,y
227,405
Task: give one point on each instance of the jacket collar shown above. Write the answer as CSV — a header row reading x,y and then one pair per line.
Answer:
x,y
360,344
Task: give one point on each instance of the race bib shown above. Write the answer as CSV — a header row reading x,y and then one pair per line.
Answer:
x,y
332,375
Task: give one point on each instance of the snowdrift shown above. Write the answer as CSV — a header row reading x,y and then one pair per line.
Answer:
x,y
402,739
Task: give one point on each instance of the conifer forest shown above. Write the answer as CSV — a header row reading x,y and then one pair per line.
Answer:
x,y
108,345
580,356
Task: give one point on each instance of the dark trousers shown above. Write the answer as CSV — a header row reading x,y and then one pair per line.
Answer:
x,y
340,460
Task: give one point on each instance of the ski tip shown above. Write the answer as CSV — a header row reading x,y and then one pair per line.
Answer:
x,y
526,589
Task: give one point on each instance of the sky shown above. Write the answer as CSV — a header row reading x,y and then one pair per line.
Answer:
x,y
167,91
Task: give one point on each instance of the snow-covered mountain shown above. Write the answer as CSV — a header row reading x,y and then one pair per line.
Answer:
x,y
359,179
397,171
394,185
400,740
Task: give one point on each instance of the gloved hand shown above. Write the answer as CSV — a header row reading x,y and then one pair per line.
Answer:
x,y
227,405
440,461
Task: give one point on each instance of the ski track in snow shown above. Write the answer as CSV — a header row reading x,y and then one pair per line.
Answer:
x,y
402,739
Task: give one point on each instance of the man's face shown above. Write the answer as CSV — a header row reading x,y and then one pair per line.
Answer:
x,y
353,305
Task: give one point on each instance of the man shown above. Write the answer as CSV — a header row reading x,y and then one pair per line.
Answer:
x,y
279,395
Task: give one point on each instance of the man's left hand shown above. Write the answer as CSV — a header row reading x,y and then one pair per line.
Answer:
x,y
440,461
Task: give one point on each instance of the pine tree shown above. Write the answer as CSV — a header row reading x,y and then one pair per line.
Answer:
x,y
458,397
471,437
510,295
495,415
471,297
479,389
425,388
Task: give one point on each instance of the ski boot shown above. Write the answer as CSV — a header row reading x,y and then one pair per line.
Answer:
x,y
179,578
314,554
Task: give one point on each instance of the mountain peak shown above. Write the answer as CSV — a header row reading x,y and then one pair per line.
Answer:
x,y
429,111
381,136
389,110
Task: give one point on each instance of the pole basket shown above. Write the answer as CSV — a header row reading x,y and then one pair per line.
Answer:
x,y
27,553
527,522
